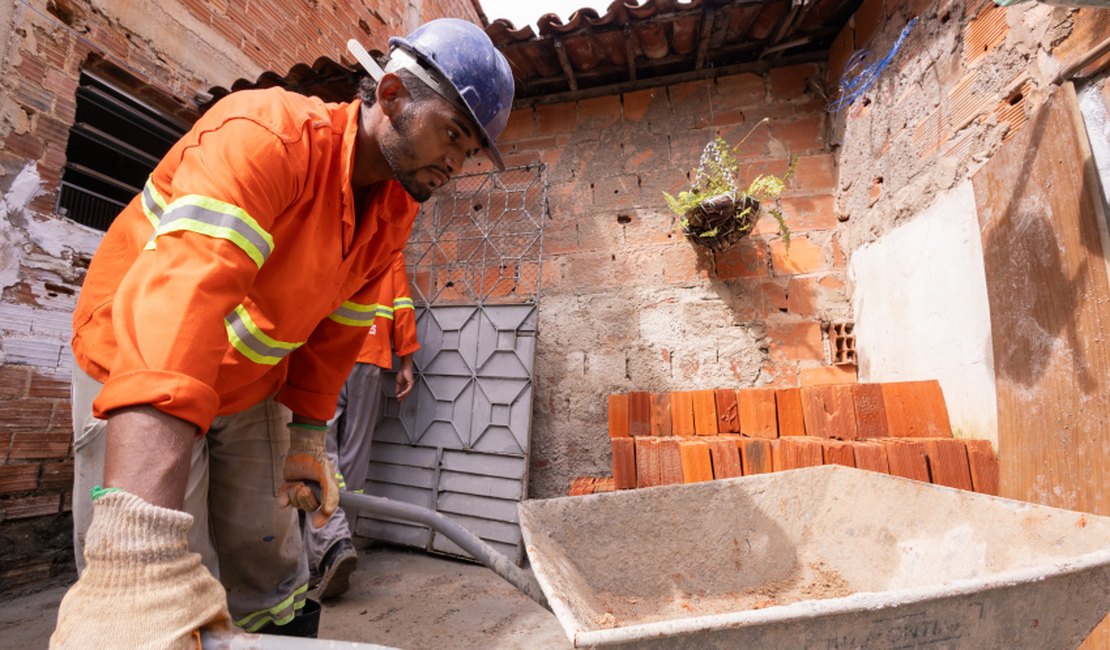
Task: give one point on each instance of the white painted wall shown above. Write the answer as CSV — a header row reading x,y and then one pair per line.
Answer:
x,y
921,310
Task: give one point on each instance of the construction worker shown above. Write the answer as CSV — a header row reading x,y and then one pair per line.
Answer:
x,y
219,320
331,554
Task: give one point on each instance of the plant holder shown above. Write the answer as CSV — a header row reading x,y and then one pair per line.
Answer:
x,y
721,221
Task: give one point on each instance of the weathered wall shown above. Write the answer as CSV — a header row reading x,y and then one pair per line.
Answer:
x,y
165,52
627,303
967,78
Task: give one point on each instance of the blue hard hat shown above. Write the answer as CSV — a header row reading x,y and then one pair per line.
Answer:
x,y
478,76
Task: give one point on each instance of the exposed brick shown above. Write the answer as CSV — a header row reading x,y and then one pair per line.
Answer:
x,y
837,452
756,456
690,98
739,91
697,465
682,413
61,418
748,259
18,478
866,21
824,375
870,413
797,136
984,32
580,486
56,476
14,381
25,415
984,466
604,484
5,445
829,412
965,103
801,298
948,463
839,53
647,462
639,414
660,414
637,105
870,455
803,256
28,445
796,341
520,125
815,173
51,385
705,412
555,119
795,453
728,415
624,462
906,458
25,507
599,112
916,409
758,416
790,82
725,454
788,407
670,461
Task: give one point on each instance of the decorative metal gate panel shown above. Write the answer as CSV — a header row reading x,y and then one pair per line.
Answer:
x,y
460,442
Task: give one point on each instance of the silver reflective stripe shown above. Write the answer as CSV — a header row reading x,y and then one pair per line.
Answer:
x,y
355,315
218,219
153,203
252,342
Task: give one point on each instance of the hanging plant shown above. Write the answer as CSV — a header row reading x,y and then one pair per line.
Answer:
x,y
715,212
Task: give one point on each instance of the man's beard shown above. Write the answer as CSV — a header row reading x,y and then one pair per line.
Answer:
x,y
398,147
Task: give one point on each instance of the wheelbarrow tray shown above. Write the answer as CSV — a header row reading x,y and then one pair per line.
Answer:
x,y
824,557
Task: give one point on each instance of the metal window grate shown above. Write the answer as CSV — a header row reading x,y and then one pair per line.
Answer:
x,y
480,240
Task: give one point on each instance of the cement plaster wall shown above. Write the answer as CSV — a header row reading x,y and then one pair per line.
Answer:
x,y
921,310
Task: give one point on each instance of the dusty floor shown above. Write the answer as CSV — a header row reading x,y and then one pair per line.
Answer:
x,y
398,598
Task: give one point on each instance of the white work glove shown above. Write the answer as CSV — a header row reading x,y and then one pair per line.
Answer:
x,y
142,586
307,460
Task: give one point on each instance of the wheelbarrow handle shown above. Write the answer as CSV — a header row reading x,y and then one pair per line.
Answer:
x,y
367,504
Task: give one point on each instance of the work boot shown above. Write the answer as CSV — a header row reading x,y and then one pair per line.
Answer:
x,y
335,569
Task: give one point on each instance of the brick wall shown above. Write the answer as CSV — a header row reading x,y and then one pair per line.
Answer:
x,y
165,52
627,303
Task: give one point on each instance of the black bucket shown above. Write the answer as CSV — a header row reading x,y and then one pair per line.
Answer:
x,y
305,624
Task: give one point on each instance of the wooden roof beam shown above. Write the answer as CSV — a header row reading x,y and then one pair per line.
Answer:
x,y
564,62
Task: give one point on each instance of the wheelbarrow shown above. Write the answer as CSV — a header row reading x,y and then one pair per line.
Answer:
x,y
824,557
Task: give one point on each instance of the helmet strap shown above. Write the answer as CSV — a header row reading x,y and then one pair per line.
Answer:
x,y
403,59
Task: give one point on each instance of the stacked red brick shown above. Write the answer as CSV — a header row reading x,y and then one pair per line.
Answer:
x,y
896,428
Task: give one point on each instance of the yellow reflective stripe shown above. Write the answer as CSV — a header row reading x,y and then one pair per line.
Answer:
x,y
153,204
246,337
403,303
218,219
354,314
280,614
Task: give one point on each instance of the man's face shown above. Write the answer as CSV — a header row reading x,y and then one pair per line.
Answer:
x,y
428,143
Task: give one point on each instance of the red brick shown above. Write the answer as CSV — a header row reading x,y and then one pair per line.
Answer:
x,y
14,381
916,409
705,412
50,385
639,414
758,417
871,456
682,413
728,414
984,466
647,462
948,464
756,456
984,32
26,507
18,478
520,125
802,257
866,21
837,452
795,453
697,465
670,461
5,445
27,445
829,412
825,375
637,104
690,98
805,134
618,416
739,90
870,413
790,82
725,454
624,462
599,112
580,486
26,574
604,484
906,458
796,341
555,118
660,414
748,259
788,406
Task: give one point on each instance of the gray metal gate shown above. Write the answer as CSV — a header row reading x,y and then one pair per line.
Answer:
x,y
460,443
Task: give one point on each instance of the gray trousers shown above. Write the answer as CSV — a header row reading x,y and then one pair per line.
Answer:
x,y
350,433
243,536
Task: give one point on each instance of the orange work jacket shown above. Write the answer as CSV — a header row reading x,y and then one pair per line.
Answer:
x,y
394,328
244,269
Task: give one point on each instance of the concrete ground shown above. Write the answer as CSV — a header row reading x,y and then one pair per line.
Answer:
x,y
398,598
